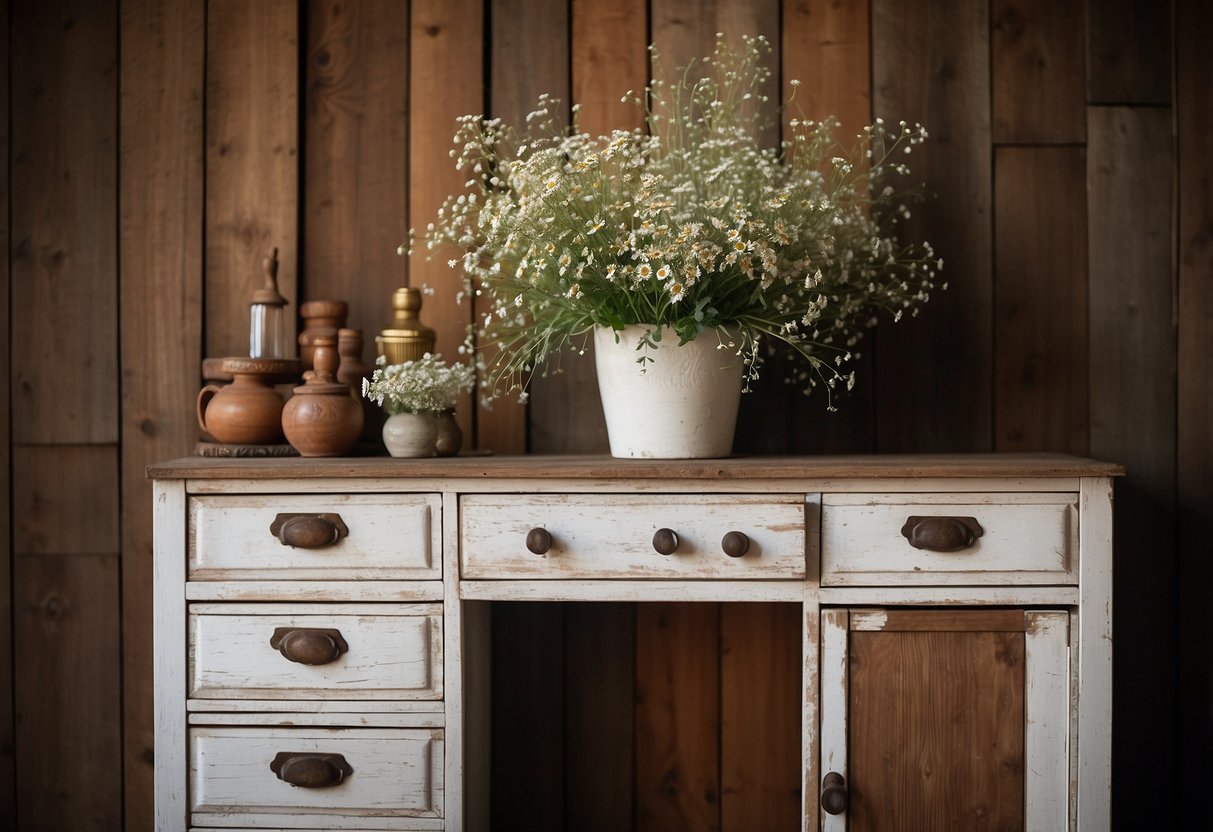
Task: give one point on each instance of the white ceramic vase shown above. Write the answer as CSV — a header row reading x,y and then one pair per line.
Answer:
x,y
410,434
682,406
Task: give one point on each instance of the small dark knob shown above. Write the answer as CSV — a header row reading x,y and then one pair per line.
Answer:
x,y
310,771
665,541
539,541
308,645
942,534
834,793
735,544
309,531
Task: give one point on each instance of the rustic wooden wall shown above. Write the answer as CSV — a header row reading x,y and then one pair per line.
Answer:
x,y
155,150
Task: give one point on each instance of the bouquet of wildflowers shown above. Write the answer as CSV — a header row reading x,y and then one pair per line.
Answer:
x,y
427,385
690,225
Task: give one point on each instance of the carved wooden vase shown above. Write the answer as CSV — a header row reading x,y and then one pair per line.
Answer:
x,y
322,418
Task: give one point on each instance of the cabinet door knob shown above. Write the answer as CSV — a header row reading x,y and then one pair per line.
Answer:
x,y
309,645
834,793
735,544
665,541
310,771
942,534
309,531
539,541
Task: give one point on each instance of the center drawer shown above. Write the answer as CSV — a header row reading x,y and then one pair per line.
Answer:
x,y
305,651
316,778
570,536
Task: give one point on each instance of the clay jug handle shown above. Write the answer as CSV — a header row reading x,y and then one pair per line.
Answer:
x,y
204,398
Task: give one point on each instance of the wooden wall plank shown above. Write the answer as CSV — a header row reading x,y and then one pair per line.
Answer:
x,y
69,693
1194,74
1133,421
527,783
530,55
1039,71
1128,52
66,502
160,227
760,679
677,716
446,80
825,46
931,65
252,161
8,794
355,165
599,685
1040,369
64,257
608,58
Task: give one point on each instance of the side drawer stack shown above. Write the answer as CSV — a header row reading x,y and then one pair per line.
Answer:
x,y
314,700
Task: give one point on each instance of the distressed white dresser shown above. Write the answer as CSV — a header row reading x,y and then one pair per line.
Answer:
x,y
321,625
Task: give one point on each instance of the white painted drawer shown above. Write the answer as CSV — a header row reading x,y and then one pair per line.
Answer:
x,y
1024,539
334,651
373,536
391,774
612,536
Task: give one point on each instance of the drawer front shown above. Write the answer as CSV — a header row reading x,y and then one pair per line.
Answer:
x,y
612,536
315,537
959,539
374,772
302,651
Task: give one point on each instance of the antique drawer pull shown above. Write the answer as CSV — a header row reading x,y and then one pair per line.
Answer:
x,y
309,531
309,770
834,793
665,541
735,544
539,541
942,534
309,645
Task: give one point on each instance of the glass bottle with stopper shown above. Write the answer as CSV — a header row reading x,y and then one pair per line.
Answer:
x,y
267,315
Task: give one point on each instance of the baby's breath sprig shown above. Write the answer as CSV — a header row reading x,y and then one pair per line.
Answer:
x,y
690,223
425,385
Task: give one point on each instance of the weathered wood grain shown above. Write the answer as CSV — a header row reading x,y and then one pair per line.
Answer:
x,y
66,628
1040,299
63,245
599,742
931,65
1038,71
160,227
677,716
355,162
530,56
252,164
760,678
1194,72
8,773
67,501
528,775
1133,415
918,699
446,80
1129,52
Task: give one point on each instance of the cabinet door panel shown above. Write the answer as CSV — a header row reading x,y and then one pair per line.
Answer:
x,y
946,719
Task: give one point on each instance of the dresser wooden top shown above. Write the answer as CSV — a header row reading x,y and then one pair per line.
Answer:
x,y
536,466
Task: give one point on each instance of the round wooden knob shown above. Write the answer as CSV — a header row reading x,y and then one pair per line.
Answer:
x,y
665,541
310,771
538,541
834,793
309,645
735,544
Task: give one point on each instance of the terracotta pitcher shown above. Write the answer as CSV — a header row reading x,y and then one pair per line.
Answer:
x,y
248,411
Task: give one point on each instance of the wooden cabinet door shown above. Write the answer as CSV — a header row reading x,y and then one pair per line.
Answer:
x,y
942,719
